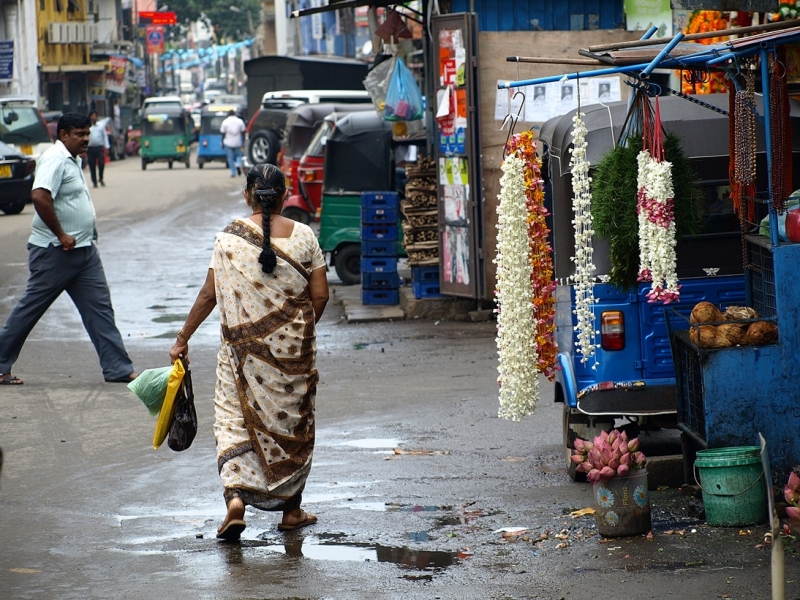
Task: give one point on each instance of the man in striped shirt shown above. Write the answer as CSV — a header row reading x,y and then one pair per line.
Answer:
x,y
62,257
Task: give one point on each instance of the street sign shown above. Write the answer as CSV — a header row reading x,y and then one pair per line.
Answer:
x,y
6,60
158,18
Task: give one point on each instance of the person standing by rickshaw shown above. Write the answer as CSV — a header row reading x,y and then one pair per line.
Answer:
x,y
233,129
98,144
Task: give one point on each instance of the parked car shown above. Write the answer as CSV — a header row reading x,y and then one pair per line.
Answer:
x,y
16,179
23,128
116,138
266,128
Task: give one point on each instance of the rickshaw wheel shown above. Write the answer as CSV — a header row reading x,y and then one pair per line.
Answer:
x,y
200,165
348,264
188,164
296,214
170,164
144,164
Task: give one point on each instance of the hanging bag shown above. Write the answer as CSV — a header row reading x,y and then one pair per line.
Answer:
x,y
403,99
184,421
168,407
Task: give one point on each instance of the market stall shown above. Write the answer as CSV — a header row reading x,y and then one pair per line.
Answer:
x,y
727,394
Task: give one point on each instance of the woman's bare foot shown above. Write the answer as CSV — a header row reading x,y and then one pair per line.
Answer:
x,y
233,526
295,519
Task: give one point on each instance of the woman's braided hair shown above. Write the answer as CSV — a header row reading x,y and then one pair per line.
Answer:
x,y
266,184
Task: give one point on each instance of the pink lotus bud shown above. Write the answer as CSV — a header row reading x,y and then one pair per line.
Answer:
x,y
616,455
583,467
604,435
578,443
614,463
623,436
588,446
615,444
598,441
623,470
612,436
633,445
607,473
793,513
640,459
794,481
792,497
577,458
625,459
605,456
594,455
593,476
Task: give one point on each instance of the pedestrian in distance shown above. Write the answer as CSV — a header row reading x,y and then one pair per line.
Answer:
x,y
268,279
232,130
62,257
98,144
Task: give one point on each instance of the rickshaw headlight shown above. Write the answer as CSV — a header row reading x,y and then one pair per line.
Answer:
x,y
612,330
205,143
147,143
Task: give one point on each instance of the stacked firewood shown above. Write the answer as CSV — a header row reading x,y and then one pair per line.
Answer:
x,y
420,226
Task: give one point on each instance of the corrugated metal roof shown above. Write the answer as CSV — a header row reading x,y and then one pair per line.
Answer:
x,y
544,15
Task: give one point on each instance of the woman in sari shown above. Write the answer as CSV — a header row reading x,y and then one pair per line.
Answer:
x,y
268,278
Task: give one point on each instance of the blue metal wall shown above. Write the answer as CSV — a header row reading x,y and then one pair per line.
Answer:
x,y
547,15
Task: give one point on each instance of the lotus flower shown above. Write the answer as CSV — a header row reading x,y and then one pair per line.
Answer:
x,y
625,459
793,513
791,496
794,481
633,445
607,473
614,463
593,476
623,470
578,443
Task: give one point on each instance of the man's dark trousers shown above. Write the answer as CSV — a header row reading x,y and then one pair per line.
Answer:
x,y
78,272
97,160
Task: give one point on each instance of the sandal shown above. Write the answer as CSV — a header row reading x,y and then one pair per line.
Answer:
x,y
9,379
308,519
232,530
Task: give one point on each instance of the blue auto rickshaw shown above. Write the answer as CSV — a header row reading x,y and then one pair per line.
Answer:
x,y
209,146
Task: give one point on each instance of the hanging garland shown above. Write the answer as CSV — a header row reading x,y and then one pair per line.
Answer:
x,y
525,304
615,199
583,279
781,133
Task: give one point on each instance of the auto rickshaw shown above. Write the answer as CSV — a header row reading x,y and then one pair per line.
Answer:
x,y
302,125
166,134
358,158
209,146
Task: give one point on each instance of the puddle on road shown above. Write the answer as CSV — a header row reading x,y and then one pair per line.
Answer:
x,y
328,549
169,319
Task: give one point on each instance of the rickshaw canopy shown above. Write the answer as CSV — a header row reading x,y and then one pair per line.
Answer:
x,y
302,122
358,154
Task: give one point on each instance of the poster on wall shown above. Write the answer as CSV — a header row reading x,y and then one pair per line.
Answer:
x,y
97,90
116,76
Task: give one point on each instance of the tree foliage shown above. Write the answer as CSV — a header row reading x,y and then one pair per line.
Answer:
x,y
218,16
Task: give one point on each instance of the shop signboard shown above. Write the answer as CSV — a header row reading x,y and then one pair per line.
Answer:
x,y
116,76
457,151
96,87
6,60
154,36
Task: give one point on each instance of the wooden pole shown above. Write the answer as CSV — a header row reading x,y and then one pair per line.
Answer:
x,y
553,60
699,36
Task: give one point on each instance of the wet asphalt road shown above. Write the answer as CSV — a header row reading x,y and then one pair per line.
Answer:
x,y
89,510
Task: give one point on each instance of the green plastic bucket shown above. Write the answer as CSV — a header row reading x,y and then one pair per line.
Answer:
x,y
732,480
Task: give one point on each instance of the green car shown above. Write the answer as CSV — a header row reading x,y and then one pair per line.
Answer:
x,y
166,135
358,158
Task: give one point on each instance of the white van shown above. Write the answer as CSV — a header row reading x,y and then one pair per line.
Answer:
x,y
22,126
161,100
317,96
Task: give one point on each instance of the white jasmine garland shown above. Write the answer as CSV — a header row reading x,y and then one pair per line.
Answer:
x,y
516,326
583,279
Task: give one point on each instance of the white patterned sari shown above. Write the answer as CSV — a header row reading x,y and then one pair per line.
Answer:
x,y
266,366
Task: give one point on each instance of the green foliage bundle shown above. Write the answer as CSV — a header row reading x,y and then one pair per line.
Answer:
x,y
614,199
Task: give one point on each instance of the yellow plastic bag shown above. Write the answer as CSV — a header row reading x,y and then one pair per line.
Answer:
x,y
168,408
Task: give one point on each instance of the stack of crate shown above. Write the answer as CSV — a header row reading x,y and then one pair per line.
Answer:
x,y
380,281
425,282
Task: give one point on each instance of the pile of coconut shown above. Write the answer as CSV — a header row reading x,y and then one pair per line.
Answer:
x,y
712,328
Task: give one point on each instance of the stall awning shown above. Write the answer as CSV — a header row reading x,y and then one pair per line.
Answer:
x,y
98,67
338,4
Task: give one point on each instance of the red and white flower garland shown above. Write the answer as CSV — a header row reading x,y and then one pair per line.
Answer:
x,y
657,239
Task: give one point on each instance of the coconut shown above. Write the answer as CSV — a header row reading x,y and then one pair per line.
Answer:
x,y
740,313
705,312
708,337
762,332
735,332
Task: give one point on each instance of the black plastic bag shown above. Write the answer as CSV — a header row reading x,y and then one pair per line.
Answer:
x,y
184,421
